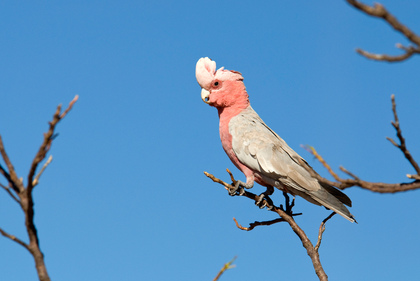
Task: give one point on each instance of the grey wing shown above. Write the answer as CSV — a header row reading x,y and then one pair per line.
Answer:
x,y
263,151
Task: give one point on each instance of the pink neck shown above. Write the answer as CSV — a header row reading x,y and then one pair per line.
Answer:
x,y
226,113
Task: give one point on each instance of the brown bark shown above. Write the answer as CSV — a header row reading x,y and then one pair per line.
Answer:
x,y
286,215
379,187
379,11
23,195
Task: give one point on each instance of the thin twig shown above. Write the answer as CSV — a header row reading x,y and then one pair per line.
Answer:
x,y
379,187
231,177
69,107
10,193
245,193
384,57
402,146
36,180
415,177
378,10
225,267
258,223
289,219
46,144
349,173
7,176
25,198
15,239
11,176
307,244
321,231
213,178
372,186
312,150
341,183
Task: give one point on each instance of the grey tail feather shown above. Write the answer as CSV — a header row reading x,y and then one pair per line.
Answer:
x,y
337,194
330,201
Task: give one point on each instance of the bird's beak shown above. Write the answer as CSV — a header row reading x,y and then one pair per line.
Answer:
x,y
205,95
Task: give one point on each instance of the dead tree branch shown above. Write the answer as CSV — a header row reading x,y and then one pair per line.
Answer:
x,y
23,195
373,186
321,231
14,238
257,223
10,193
36,180
287,216
225,267
402,146
10,176
379,11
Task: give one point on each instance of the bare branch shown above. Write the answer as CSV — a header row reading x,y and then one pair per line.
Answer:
x,y
250,195
258,223
11,176
307,244
349,173
46,144
225,267
384,57
380,11
15,239
289,219
36,180
25,198
213,178
312,150
393,142
321,230
10,193
372,186
76,97
402,146
415,177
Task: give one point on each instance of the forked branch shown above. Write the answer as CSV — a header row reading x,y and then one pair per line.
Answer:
x,y
373,186
379,11
321,231
287,217
46,144
23,195
402,146
226,266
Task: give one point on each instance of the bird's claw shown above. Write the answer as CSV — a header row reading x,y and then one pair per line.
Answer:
x,y
237,187
289,206
261,203
264,201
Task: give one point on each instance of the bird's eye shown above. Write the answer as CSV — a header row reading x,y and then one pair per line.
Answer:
x,y
216,83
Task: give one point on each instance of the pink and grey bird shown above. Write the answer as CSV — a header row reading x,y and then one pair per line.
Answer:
x,y
257,150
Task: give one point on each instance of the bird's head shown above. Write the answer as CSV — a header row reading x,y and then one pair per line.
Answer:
x,y
221,88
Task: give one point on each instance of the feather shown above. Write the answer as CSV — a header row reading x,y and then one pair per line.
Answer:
x,y
261,149
254,148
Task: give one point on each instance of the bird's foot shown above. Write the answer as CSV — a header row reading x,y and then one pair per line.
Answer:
x,y
237,188
264,201
261,203
289,205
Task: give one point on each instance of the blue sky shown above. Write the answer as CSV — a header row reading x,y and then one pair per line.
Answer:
x,y
125,197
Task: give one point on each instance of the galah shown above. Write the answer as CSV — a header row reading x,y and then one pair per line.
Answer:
x,y
255,149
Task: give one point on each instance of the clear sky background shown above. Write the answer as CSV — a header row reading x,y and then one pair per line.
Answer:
x,y
125,197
